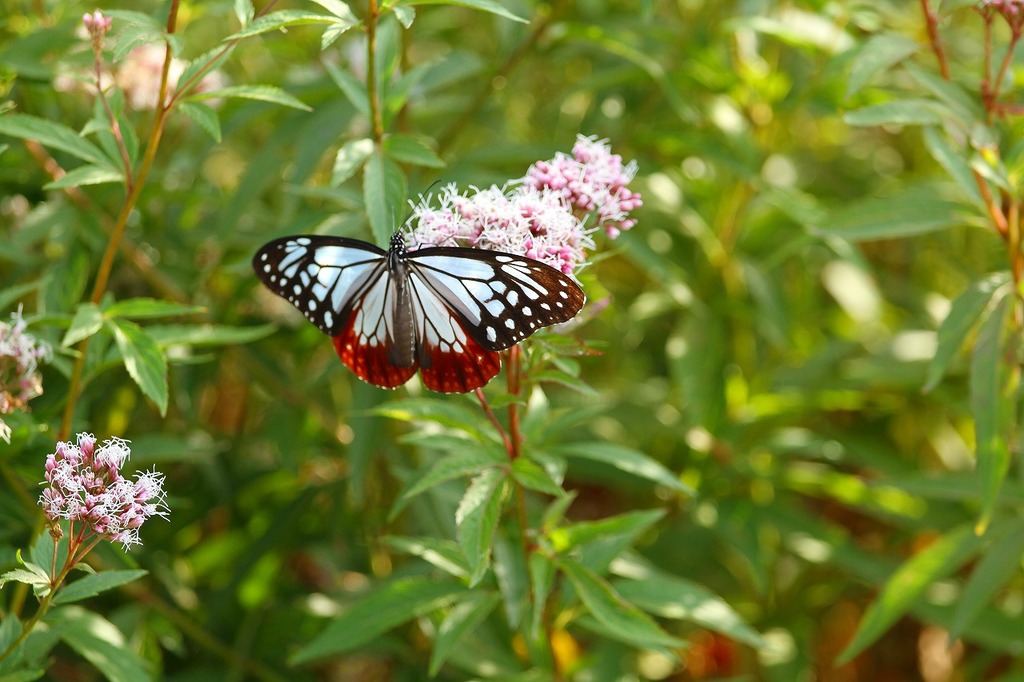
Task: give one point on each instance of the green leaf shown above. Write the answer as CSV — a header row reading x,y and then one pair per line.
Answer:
x,y
463,619
953,161
899,112
204,116
92,585
201,65
52,135
86,175
510,572
991,404
628,524
914,211
145,362
623,620
145,308
482,5
476,519
405,16
966,107
350,158
627,460
342,12
672,597
353,89
262,93
964,314
998,564
383,609
443,554
436,412
542,579
207,334
100,642
451,467
244,11
875,56
413,150
909,582
30,575
383,190
282,19
531,476
87,321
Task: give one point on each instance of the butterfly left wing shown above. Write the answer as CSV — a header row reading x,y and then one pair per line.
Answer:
x,y
500,298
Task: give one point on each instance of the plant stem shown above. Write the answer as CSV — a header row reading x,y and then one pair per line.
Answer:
x,y
113,244
376,115
932,22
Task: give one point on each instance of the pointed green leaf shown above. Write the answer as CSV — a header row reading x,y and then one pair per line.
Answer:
x,y
542,579
145,308
908,583
86,175
384,608
875,56
204,116
510,570
100,642
383,191
199,67
353,89
528,474
262,93
87,321
991,405
914,211
669,596
145,362
350,158
444,554
952,160
964,314
207,334
414,150
482,5
628,524
998,564
52,135
454,466
339,9
282,19
244,11
899,112
627,460
623,620
30,575
92,585
465,617
476,519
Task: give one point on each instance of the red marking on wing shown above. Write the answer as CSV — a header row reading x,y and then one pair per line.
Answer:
x,y
370,363
458,372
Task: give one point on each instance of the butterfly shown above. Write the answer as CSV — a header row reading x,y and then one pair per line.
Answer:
x,y
445,311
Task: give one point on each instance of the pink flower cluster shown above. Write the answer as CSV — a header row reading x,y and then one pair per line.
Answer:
x,y
20,355
592,180
1010,9
542,216
526,222
84,484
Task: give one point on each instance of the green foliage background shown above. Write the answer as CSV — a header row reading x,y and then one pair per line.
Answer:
x,y
765,333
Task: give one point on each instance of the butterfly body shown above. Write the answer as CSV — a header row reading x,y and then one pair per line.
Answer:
x,y
445,311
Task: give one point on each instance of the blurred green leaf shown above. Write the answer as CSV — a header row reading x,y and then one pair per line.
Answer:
x,y
532,477
203,115
54,136
146,308
542,580
443,554
350,158
993,572
476,519
413,150
91,585
464,617
878,54
262,93
383,192
99,642
145,362
207,334
276,21
964,314
451,467
628,525
909,582
386,607
624,459
898,112
482,5
87,321
623,620
86,175
914,211
953,161
990,402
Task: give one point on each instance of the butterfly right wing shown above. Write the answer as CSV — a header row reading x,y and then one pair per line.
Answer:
x,y
341,286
